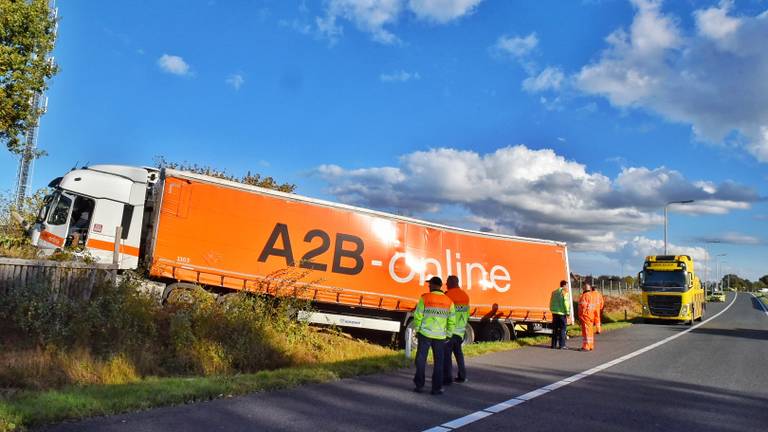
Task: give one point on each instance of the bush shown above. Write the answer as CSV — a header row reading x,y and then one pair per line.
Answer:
x,y
121,334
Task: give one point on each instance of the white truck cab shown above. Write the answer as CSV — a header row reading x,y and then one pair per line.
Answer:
x,y
86,207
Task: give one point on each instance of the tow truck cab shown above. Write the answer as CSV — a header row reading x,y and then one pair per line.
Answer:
x,y
670,289
86,207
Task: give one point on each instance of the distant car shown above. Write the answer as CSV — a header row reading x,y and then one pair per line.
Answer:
x,y
717,296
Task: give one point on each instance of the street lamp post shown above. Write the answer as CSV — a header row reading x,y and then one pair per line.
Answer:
x,y
717,269
706,258
666,223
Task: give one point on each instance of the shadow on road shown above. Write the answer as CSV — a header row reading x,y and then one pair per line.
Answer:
x,y
756,304
607,401
736,332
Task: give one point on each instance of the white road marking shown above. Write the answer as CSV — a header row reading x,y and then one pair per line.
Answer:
x,y
467,419
517,400
760,302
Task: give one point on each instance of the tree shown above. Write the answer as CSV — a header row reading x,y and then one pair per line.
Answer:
x,y
764,279
734,281
27,35
249,178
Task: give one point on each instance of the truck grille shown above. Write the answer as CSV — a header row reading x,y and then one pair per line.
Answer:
x,y
664,305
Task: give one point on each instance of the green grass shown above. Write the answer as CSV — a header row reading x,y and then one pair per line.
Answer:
x,y
492,347
30,408
763,297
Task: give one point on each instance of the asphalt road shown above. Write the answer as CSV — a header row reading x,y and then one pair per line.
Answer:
x,y
713,378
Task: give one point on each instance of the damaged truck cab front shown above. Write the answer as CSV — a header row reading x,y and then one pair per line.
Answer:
x,y
86,208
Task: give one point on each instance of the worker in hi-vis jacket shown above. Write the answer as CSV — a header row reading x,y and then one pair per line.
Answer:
x,y
587,306
433,321
600,304
460,300
560,308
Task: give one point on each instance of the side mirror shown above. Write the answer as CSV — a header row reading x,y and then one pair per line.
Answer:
x,y
640,278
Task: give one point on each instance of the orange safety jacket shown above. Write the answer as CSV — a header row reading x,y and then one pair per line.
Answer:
x,y
587,306
460,300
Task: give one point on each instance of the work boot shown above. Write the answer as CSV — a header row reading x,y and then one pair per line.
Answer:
x,y
436,392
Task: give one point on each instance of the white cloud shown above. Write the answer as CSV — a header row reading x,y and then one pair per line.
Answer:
x,y
235,80
442,11
515,46
368,15
549,79
535,193
634,251
173,64
715,23
731,238
713,80
399,76
376,17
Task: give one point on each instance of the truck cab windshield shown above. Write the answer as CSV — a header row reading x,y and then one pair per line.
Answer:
x,y
43,213
655,280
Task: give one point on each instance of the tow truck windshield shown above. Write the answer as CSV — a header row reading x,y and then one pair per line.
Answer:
x,y
664,281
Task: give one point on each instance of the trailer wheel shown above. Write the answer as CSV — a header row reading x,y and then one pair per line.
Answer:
x,y
469,335
495,331
185,293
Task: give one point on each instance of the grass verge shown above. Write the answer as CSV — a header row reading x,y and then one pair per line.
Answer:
x,y
492,347
763,297
29,408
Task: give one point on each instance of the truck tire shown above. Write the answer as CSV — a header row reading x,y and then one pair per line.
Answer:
x,y
469,335
184,293
494,331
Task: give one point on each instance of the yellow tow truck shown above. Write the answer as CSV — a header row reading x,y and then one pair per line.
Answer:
x,y
671,291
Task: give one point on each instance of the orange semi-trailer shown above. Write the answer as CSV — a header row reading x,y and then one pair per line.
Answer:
x,y
370,266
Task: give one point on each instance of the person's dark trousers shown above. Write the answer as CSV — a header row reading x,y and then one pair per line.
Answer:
x,y
453,349
559,328
437,346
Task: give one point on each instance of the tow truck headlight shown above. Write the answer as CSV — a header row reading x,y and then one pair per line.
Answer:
x,y
684,310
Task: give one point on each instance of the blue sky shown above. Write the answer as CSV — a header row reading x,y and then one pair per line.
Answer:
x,y
569,120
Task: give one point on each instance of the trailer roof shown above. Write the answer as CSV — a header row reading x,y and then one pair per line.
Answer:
x,y
168,172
